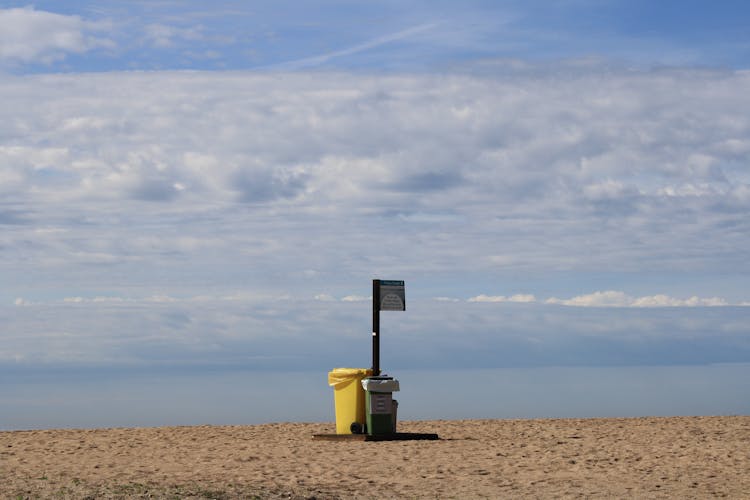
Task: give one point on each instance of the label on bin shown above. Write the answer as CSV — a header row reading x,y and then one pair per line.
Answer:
x,y
381,403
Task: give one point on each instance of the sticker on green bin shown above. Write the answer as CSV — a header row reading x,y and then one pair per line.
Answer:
x,y
381,403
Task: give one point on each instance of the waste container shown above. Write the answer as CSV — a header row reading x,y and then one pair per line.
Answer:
x,y
349,398
379,405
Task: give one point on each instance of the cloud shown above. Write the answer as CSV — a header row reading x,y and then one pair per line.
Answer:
x,y
263,185
428,181
29,35
493,175
596,299
355,298
193,186
612,298
518,298
236,297
269,333
166,36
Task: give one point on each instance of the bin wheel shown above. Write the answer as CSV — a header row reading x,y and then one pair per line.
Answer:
x,y
357,428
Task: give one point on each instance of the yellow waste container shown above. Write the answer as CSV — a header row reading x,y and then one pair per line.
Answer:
x,y
349,397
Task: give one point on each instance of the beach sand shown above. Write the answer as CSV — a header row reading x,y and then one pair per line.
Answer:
x,y
682,457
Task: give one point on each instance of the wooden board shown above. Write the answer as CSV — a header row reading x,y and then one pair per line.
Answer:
x,y
399,436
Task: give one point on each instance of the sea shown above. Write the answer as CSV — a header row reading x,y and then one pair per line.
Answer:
x,y
148,398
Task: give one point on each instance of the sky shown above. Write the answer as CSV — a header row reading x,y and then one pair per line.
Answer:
x,y
195,186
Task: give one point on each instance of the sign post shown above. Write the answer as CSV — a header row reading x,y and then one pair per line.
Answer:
x,y
387,295
379,406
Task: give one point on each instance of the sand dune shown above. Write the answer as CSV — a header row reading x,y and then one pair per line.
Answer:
x,y
685,457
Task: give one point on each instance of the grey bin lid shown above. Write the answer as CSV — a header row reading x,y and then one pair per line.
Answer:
x,y
375,385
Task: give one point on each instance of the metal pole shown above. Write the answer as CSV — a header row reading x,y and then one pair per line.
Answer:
x,y
376,327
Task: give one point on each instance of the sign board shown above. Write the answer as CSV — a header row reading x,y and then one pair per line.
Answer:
x,y
392,295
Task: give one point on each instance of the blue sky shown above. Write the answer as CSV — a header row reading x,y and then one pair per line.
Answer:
x,y
377,36
193,184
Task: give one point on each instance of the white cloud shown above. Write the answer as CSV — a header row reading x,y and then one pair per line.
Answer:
x,y
691,190
519,298
666,301
446,299
28,35
193,186
355,298
613,298
209,330
597,299
609,189
165,36
318,142
237,297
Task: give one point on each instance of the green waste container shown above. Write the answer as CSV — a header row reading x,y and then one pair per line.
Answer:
x,y
349,397
379,404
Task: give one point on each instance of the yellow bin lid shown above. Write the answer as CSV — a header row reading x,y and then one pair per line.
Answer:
x,y
340,376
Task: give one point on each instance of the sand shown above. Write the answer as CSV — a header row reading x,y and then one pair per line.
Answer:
x,y
685,457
